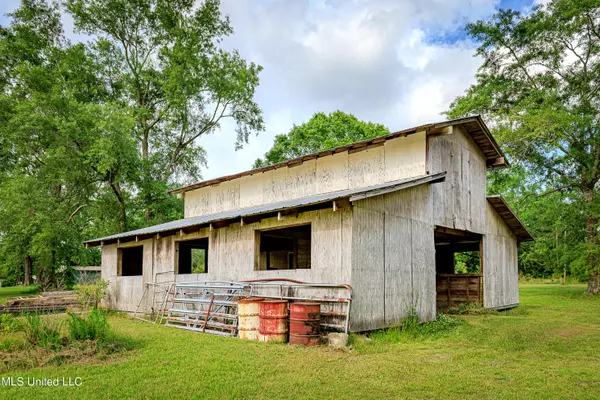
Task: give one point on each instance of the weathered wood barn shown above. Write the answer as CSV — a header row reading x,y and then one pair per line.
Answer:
x,y
387,216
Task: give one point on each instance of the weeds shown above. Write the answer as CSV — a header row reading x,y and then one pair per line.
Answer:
x,y
9,323
53,340
94,327
468,308
45,333
91,294
410,329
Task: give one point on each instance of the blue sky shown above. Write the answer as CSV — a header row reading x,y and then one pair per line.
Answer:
x,y
398,62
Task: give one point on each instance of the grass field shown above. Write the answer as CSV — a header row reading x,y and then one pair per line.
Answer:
x,y
14,291
549,347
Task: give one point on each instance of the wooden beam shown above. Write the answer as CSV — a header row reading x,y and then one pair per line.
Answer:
x,y
496,162
363,146
221,224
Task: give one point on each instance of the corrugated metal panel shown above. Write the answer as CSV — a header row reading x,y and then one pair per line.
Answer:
x,y
279,206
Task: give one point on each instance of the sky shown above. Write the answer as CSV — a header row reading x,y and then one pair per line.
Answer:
x,y
395,62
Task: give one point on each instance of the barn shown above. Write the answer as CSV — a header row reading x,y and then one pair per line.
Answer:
x,y
393,217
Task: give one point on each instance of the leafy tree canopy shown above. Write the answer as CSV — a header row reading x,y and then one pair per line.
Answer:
x,y
92,135
538,87
321,132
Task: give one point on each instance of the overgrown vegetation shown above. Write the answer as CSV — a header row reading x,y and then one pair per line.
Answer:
x,y
91,294
35,340
94,327
545,348
409,329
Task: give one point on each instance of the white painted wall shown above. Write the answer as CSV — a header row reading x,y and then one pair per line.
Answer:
x,y
398,158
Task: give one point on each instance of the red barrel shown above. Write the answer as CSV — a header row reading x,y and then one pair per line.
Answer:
x,y
273,324
305,323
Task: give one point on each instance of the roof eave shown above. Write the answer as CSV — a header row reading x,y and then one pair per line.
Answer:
x,y
523,237
252,213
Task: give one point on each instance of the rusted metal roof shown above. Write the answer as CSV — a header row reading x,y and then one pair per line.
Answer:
x,y
301,204
510,218
474,126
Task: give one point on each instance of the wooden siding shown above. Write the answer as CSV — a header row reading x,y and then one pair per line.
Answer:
x,y
500,265
454,289
395,159
459,202
393,259
125,292
231,255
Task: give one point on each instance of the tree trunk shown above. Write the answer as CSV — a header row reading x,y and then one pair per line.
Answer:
x,y
27,281
145,156
122,211
591,223
145,152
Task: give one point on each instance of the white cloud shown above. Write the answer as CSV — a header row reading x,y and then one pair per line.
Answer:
x,y
379,59
375,59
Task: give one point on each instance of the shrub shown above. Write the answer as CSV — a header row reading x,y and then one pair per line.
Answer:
x,y
94,327
91,294
9,323
43,332
10,345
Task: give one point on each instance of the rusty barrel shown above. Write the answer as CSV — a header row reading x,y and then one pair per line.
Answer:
x,y
248,317
305,323
273,324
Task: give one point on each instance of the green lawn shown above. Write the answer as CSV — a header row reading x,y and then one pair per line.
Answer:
x,y
549,347
14,291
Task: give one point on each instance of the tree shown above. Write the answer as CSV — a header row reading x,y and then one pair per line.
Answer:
x,y
538,85
62,140
161,58
92,135
553,217
321,132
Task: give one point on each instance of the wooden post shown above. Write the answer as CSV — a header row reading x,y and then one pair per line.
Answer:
x,y
449,297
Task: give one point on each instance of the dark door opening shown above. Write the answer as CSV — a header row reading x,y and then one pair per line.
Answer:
x,y
131,261
285,248
458,264
192,256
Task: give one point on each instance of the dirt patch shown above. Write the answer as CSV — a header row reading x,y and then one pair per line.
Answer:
x,y
575,331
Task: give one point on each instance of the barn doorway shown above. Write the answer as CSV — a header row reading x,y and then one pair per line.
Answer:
x,y
459,267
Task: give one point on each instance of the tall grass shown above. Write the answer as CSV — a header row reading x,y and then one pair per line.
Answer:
x,y
45,333
94,327
409,329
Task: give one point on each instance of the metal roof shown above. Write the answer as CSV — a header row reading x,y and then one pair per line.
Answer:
x,y
351,194
510,218
474,126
